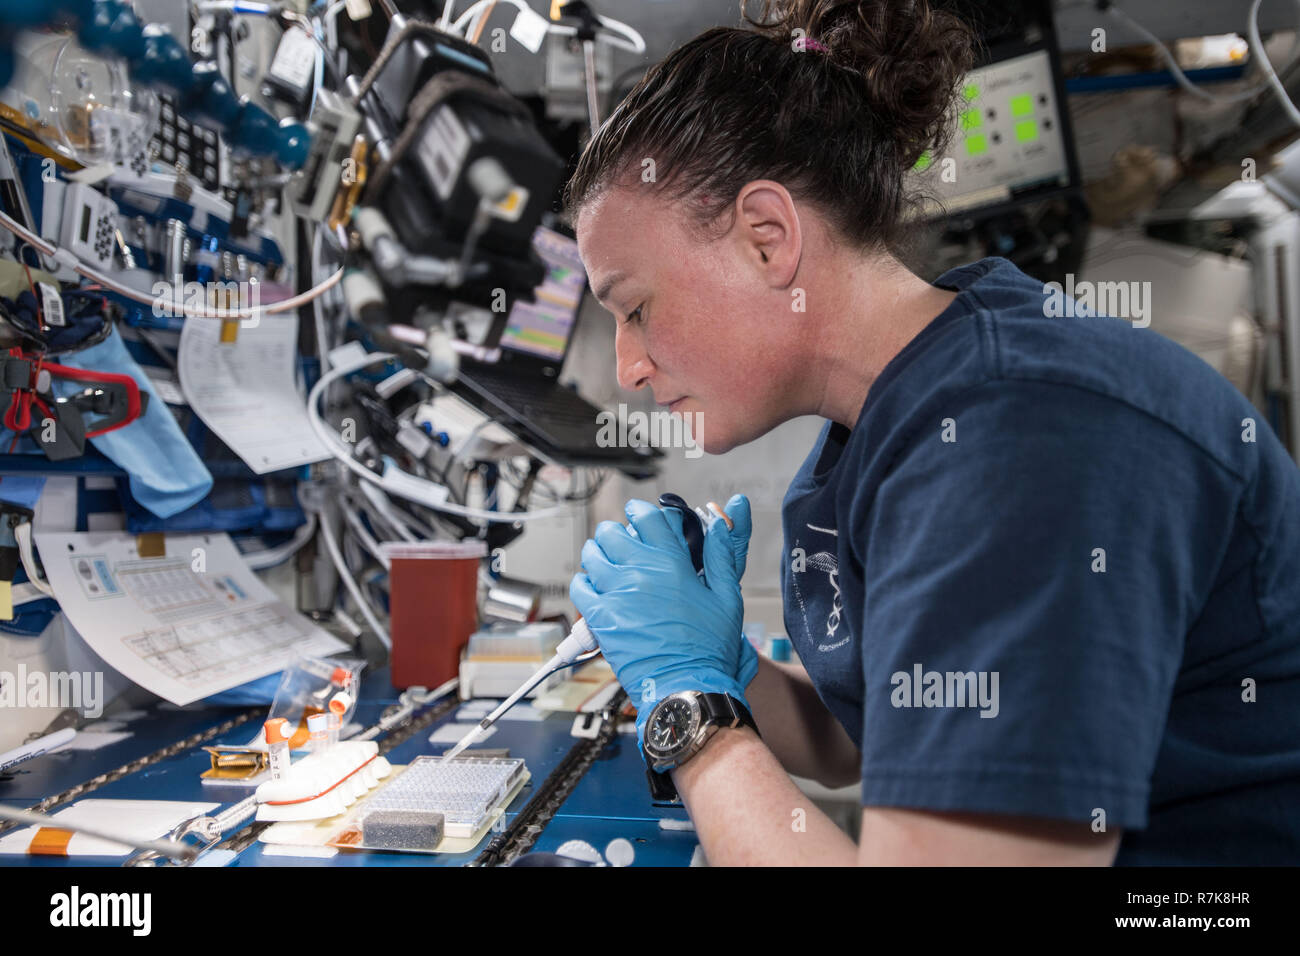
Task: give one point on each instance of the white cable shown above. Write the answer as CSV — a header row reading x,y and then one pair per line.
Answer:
x,y
443,24
65,257
377,507
236,814
25,592
367,539
344,618
1181,78
23,536
376,518
332,547
429,696
353,553
634,42
473,28
318,78
1257,50
410,487
409,701
261,560
314,266
386,510
423,531
333,11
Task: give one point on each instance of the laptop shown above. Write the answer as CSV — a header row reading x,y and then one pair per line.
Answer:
x,y
522,389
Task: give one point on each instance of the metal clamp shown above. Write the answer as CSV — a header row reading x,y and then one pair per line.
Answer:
x,y
205,828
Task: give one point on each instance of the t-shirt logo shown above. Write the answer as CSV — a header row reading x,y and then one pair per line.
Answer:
x,y
827,563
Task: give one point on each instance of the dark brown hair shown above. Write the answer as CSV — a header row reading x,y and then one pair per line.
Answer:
x,y
838,128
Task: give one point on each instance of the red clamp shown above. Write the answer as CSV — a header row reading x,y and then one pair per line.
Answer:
x,y
18,416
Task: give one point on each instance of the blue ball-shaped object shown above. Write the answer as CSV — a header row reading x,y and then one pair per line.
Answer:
x,y
125,35
165,62
211,101
293,144
253,130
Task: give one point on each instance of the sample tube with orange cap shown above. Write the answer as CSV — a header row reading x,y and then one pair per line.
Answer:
x,y
277,734
339,705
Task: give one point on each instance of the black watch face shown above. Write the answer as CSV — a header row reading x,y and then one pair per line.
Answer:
x,y
673,727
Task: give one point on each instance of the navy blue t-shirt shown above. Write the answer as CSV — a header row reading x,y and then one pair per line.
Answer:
x,y
1054,570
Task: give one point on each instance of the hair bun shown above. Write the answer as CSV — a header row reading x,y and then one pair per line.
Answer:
x,y
910,56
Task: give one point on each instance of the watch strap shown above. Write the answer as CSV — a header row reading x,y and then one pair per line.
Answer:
x,y
721,709
662,788
726,711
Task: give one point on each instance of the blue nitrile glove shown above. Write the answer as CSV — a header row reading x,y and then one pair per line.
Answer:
x,y
661,628
737,509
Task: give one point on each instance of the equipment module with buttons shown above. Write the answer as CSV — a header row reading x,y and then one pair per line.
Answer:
x,y
1009,139
89,220
180,142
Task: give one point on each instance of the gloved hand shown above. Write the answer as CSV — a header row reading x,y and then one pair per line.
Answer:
x,y
660,626
737,509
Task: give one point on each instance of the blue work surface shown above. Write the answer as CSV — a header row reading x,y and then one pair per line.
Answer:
x,y
612,799
47,775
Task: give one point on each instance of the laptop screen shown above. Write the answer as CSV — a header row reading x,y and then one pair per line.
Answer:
x,y
543,328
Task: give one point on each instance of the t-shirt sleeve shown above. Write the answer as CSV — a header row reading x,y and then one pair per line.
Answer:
x,y
1032,563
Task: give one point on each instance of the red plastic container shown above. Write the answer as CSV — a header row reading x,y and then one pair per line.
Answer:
x,y
433,604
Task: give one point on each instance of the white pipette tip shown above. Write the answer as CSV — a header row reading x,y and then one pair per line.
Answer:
x,y
472,736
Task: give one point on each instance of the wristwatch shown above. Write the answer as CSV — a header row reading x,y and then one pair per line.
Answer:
x,y
678,728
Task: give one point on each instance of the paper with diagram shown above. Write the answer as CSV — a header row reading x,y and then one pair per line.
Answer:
x,y
244,391
184,626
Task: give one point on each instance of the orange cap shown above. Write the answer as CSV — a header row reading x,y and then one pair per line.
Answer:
x,y
276,730
340,703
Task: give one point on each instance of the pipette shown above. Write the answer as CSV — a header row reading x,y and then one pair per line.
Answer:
x,y
580,639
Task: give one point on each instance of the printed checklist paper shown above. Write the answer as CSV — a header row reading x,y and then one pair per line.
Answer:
x,y
244,391
184,626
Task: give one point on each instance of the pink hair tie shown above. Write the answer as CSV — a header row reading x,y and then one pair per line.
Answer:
x,y
811,44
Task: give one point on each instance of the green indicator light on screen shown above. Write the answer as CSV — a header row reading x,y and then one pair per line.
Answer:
x,y
970,119
1022,105
970,91
923,162
1027,131
975,145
